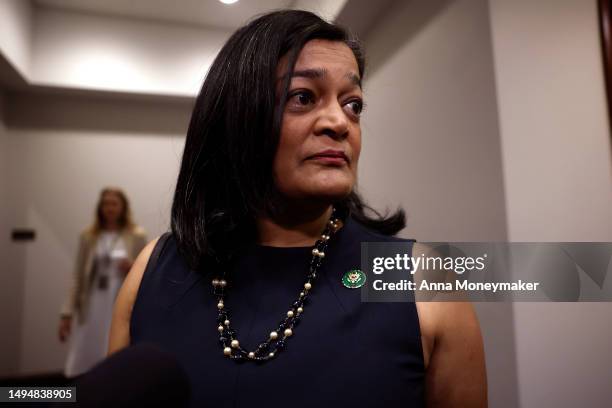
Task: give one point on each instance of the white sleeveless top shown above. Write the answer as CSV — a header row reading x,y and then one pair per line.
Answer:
x,y
89,341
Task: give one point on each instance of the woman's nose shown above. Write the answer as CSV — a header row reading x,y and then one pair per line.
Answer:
x,y
332,121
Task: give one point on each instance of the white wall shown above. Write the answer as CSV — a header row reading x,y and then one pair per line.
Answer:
x,y
439,81
431,142
88,51
15,32
553,116
556,156
58,163
11,282
430,126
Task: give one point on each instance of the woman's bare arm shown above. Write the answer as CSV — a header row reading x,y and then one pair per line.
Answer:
x,y
452,347
122,311
455,373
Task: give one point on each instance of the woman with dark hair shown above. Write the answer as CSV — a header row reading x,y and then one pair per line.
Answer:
x,y
107,250
253,290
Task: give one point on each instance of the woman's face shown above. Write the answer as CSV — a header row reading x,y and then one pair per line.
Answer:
x,y
320,137
112,207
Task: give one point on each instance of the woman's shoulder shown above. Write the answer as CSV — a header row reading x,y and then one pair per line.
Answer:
x,y
87,235
163,244
120,327
162,255
137,231
155,247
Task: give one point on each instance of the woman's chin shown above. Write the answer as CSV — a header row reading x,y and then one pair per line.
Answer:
x,y
332,192
319,188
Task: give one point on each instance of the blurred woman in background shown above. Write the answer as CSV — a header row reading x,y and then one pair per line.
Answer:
x,y
106,252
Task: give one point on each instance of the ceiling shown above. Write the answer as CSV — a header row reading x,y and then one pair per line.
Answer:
x,y
210,13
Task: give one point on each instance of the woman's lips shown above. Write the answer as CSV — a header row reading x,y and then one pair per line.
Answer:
x,y
332,157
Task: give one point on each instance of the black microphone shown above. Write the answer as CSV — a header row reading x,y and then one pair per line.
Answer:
x,y
140,375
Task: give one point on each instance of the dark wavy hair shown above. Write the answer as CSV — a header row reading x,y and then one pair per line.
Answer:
x,y
226,174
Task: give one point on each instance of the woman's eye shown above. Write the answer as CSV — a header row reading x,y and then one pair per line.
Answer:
x,y
301,99
356,107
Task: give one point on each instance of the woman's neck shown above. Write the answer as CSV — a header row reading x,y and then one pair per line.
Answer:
x,y
293,228
111,226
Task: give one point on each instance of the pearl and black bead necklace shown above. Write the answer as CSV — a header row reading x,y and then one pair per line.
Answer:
x,y
278,338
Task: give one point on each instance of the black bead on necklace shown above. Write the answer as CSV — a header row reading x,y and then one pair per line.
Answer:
x,y
278,337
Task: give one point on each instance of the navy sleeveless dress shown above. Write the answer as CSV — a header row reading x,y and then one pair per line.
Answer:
x,y
343,353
